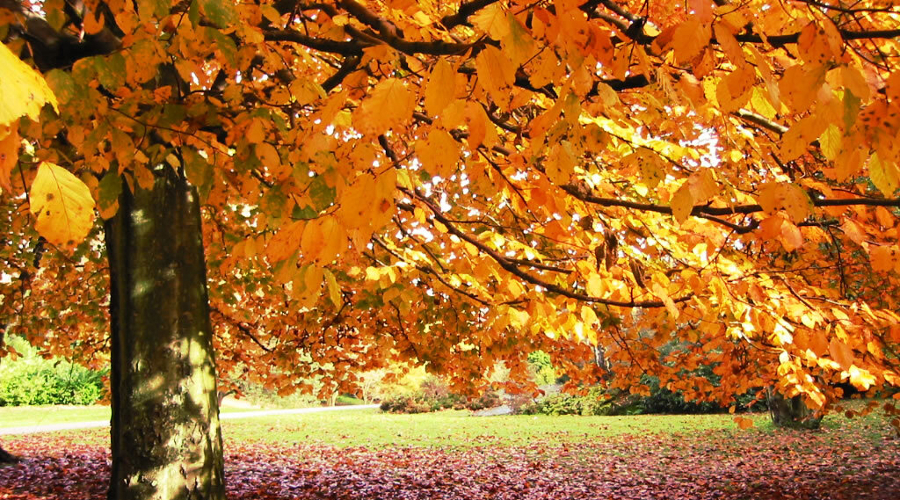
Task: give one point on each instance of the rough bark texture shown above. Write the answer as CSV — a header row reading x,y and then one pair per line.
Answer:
x,y
166,440
791,412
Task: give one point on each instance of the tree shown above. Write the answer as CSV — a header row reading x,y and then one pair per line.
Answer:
x,y
466,183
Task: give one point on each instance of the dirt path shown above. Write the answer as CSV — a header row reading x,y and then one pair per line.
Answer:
x,y
34,429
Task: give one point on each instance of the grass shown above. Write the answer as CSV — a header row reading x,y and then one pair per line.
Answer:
x,y
23,416
457,429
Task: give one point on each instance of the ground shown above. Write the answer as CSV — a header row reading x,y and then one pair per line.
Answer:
x,y
367,455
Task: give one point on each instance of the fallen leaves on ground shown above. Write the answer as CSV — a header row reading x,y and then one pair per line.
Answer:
x,y
828,464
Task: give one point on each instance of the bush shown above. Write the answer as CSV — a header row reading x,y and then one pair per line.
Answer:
x,y
33,380
434,395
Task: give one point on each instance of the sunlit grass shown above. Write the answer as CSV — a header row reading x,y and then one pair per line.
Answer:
x,y
460,430
23,416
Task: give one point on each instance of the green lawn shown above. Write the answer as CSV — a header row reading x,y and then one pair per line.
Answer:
x,y
458,429
449,429
22,416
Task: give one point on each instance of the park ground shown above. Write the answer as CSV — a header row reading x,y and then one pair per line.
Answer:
x,y
365,454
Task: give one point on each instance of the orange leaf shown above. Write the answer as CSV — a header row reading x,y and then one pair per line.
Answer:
x,y
441,87
9,154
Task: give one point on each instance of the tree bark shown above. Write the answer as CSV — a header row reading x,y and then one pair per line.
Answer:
x,y
7,457
166,440
792,412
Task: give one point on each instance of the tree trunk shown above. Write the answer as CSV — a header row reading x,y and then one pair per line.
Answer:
x,y
791,412
7,457
166,440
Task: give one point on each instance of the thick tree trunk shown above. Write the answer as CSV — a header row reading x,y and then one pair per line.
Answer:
x,y
7,457
791,412
166,441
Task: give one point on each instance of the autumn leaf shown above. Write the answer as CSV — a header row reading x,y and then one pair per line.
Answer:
x,y
9,154
389,103
682,203
885,175
776,196
496,72
441,88
62,205
22,90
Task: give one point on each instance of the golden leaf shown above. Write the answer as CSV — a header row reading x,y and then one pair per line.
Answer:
x,y
334,290
496,73
884,175
441,87
841,353
9,154
728,43
682,203
791,236
22,90
62,204
884,258
793,199
389,104
492,20
439,153
689,39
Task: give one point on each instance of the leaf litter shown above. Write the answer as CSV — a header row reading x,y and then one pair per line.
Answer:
x,y
831,464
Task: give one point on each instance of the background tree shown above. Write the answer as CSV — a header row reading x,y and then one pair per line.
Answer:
x,y
465,183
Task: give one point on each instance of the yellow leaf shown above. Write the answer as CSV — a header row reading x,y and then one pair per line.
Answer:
x,y
517,42
268,156
799,87
860,378
492,20
389,104
848,164
439,154
884,258
743,422
650,165
682,203
334,240
831,141
441,87
496,73
22,90
855,82
728,43
62,204
334,291
793,199
285,242
703,186
689,39
814,45
93,22
561,163
481,129
884,175
312,241
9,154
791,236
841,353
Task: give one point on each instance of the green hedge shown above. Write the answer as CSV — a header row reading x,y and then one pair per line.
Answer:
x,y
32,380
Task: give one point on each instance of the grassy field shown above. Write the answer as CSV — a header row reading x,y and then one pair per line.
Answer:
x,y
456,429
448,429
367,455
22,416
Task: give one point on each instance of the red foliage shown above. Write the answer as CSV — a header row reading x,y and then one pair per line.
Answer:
x,y
822,465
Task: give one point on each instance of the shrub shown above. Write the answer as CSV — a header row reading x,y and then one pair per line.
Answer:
x,y
33,380
434,395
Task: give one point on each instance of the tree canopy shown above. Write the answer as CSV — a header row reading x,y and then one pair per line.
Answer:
x,y
464,183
